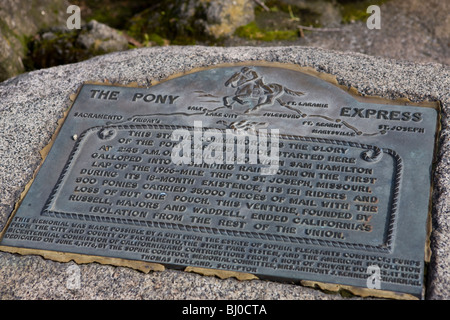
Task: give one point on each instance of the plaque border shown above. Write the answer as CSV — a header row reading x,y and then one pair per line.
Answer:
x,y
83,258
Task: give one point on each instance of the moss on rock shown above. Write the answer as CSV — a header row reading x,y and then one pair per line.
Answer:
x,y
279,23
19,21
356,10
60,46
252,31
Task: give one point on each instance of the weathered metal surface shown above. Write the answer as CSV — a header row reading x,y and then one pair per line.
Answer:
x,y
253,169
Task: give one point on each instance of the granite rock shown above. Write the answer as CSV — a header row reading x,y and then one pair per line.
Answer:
x,y
31,105
99,37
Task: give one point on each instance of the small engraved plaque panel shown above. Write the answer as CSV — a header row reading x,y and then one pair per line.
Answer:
x,y
255,169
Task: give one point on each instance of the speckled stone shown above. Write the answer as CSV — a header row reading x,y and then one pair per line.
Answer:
x,y
31,105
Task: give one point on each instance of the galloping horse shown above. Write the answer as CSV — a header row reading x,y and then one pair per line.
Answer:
x,y
249,85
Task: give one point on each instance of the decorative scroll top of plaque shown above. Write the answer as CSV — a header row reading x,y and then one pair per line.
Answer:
x,y
253,169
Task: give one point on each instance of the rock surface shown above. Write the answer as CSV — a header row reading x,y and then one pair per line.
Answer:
x,y
21,19
59,46
98,37
224,17
31,105
412,29
194,19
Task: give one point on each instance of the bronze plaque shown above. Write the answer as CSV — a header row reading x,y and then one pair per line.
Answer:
x,y
254,169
